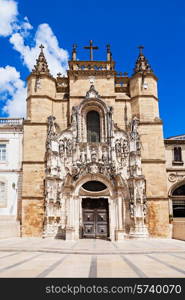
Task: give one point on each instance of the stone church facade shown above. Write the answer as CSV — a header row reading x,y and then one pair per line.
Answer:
x,y
93,152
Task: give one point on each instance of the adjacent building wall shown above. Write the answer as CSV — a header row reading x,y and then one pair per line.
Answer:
x,y
11,134
175,171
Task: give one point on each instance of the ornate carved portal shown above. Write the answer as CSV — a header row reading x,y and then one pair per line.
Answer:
x,y
115,161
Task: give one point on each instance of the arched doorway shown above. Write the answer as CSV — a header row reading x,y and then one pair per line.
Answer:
x,y
178,201
97,188
95,211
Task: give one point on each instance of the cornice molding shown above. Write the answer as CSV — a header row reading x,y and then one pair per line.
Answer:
x,y
158,122
30,162
145,75
48,97
144,96
101,97
153,161
29,123
122,100
91,72
11,171
41,75
175,169
157,198
32,198
174,142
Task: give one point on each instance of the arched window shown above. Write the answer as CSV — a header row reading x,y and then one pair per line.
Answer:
x,y
179,202
2,194
93,127
177,154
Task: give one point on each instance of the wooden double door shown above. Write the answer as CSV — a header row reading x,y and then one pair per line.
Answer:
x,y
95,218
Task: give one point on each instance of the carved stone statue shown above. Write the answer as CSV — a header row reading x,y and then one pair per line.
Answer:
x,y
134,125
51,127
94,169
125,147
69,146
83,156
118,146
93,155
61,146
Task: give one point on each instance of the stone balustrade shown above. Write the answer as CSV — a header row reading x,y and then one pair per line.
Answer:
x,y
11,121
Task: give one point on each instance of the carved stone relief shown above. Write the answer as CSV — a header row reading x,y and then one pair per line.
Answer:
x,y
173,177
68,157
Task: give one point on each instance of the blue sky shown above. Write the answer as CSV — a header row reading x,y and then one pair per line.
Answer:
x,y
159,26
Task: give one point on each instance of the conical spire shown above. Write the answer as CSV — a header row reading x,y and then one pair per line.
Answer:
x,y
41,66
142,65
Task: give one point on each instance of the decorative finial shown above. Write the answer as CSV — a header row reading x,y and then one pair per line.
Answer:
x,y
141,49
74,52
41,66
74,47
109,54
142,65
108,48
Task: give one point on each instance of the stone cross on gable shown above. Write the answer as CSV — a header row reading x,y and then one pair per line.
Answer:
x,y
91,48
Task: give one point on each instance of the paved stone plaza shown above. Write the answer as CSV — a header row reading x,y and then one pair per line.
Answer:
x,y
35,257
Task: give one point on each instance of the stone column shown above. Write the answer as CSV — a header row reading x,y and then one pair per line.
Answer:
x,y
70,224
112,217
120,232
76,217
80,216
119,212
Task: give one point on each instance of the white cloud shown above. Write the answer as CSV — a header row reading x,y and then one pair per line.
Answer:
x,y
20,36
13,89
8,14
9,22
57,57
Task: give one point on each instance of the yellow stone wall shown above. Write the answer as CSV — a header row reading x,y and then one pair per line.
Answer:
x,y
155,179
152,143
79,86
43,85
179,228
60,111
146,86
34,142
158,218
40,109
32,217
33,180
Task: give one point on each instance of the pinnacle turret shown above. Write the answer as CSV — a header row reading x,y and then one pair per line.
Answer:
x,y
142,65
41,66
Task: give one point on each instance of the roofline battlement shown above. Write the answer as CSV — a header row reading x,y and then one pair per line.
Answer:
x,y
79,65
